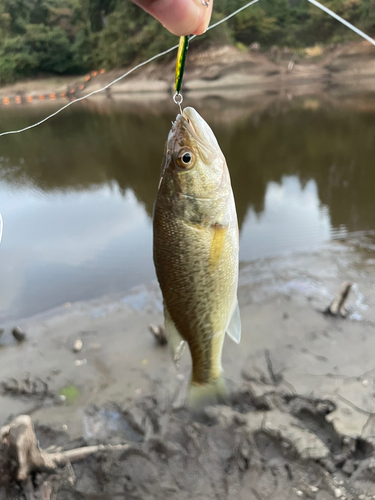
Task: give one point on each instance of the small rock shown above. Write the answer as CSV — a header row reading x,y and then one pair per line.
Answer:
x,y
18,334
77,346
80,362
338,492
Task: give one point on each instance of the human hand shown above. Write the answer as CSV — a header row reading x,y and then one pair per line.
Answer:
x,y
180,17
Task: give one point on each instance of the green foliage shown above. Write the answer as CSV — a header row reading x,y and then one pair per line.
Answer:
x,y
39,49
130,34
73,36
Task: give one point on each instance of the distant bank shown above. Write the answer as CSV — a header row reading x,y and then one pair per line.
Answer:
x,y
225,68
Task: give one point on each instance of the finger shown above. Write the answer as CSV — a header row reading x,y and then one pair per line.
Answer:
x,y
180,17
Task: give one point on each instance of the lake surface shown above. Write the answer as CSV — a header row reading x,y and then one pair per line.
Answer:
x,y
76,193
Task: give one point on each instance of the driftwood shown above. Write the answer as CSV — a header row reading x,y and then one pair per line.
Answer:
x,y
337,306
159,334
26,458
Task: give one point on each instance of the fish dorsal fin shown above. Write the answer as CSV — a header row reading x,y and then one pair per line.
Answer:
x,y
175,341
234,327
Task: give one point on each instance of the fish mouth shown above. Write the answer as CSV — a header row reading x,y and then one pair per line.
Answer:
x,y
186,121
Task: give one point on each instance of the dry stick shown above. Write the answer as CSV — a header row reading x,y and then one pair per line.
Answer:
x,y
337,306
20,438
159,334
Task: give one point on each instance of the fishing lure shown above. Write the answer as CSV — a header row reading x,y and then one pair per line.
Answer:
x,y
180,63
181,59
180,66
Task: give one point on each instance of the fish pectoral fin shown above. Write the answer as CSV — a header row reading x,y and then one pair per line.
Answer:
x,y
219,233
175,341
234,327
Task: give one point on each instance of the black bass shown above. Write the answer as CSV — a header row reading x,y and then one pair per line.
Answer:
x,y
196,252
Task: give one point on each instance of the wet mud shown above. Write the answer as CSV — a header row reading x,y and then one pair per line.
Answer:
x,y
274,445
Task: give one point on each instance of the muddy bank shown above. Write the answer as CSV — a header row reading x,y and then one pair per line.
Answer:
x,y
273,445
301,424
224,70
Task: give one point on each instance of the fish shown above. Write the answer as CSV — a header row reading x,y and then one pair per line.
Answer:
x,y
195,249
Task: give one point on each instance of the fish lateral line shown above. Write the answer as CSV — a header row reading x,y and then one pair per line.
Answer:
x,y
199,198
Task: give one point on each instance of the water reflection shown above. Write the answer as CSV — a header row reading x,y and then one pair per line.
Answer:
x,y
77,193
292,219
67,247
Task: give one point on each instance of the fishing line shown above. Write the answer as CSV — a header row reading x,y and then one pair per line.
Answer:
x,y
1,227
343,21
161,54
127,73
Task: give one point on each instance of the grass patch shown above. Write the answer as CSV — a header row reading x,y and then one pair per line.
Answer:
x,y
71,392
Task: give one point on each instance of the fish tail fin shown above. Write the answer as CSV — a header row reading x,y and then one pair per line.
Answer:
x,y
201,395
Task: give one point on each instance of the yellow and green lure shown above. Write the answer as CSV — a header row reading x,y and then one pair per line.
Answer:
x,y
180,64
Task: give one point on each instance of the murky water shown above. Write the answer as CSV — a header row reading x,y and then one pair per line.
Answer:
x,y
76,194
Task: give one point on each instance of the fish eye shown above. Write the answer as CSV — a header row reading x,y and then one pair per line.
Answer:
x,y
185,159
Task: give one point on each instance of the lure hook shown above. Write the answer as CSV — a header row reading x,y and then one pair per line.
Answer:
x,y
177,99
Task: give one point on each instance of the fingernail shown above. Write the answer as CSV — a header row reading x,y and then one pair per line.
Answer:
x,y
204,17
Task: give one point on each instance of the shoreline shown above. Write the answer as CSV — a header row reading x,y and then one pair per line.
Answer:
x,y
271,290
215,70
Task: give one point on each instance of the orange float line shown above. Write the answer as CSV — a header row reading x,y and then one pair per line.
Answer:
x,y
94,73
52,96
102,71
6,100
17,99
87,78
29,98
63,94
41,97
71,91
81,87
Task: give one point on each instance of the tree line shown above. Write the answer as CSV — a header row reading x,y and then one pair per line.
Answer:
x,y
74,36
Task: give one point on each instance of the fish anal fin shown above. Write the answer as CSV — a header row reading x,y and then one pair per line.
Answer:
x,y
175,341
234,327
201,395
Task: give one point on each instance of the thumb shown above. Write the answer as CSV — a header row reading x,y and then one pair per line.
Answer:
x,y
180,17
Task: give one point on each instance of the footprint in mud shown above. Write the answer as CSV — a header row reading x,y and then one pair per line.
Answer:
x,y
312,413
110,420
273,450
